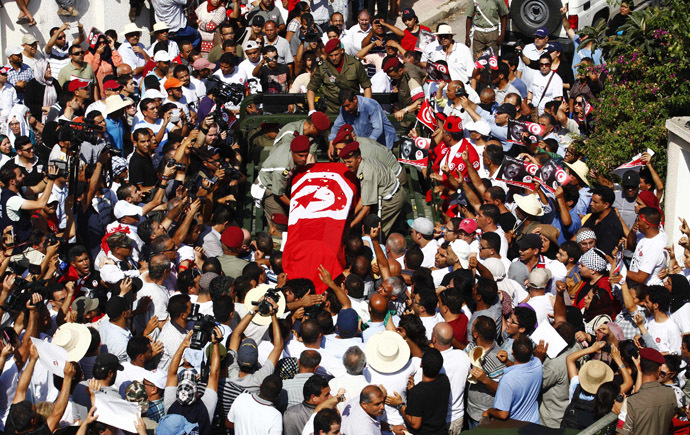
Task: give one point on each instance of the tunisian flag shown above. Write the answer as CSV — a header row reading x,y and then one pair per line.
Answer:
x,y
426,116
321,200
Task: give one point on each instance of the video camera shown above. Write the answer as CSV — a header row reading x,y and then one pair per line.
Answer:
x,y
23,291
78,132
265,306
203,328
224,93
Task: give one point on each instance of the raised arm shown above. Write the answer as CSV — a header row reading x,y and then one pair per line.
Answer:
x,y
236,337
214,373
63,398
277,350
176,359
326,278
25,378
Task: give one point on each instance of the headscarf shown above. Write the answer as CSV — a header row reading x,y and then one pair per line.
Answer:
x,y
49,92
498,270
601,304
107,53
18,112
680,291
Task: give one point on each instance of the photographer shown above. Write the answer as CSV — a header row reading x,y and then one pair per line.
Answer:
x,y
14,209
90,151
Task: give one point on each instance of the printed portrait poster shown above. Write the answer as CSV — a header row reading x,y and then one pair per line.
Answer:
x,y
516,128
550,175
514,172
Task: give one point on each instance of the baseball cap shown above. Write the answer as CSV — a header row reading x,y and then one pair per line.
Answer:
x,y
347,323
172,82
161,56
28,39
408,13
462,250
530,241
107,362
116,306
422,225
482,127
153,94
251,45
539,277
124,208
555,46
631,179
205,280
258,21
12,50
507,108
468,225
111,84
247,354
202,63
541,32
136,392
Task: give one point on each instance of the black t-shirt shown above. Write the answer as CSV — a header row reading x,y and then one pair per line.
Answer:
x,y
506,221
275,81
429,400
9,426
142,171
609,231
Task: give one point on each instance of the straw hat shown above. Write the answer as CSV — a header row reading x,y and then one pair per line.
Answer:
x,y
130,28
254,295
580,169
444,29
530,204
159,26
593,374
387,352
75,338
114,103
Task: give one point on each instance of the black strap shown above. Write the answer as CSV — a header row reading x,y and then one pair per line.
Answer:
x,y
543,94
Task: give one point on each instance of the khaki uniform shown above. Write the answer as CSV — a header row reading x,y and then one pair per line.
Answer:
x,y
352,75
292,130
376,180
370,149
649,411
406,86
486,32
275,175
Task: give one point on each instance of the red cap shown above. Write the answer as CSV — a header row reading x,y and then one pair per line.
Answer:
x,y
279,219
110,85
350,150
300,144
391,65
172,82
4,70
78,84
344,134
232,237
453,124
321,121
332,45
652,355
467,225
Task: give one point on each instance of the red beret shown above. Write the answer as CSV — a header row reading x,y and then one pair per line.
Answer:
x,y
279,219
391,65
350,149
111,84
300,144
77,84
345,133
321,121
332,45
232,237
453,124
652,355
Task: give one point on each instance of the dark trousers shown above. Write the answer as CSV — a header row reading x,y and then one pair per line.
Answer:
x,y
187,33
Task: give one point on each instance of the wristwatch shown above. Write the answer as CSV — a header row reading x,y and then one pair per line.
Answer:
x,y
399,406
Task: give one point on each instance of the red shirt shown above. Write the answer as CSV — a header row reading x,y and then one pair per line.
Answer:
x,y
460,328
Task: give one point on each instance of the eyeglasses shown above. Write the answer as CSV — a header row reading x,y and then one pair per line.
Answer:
x,y
481,248
77,53
578,103
27,150
544,64
271,59
663,374
445,36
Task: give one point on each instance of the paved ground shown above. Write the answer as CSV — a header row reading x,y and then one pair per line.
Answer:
x,y
432,12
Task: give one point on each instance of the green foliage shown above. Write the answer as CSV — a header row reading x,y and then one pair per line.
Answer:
x,y
648,82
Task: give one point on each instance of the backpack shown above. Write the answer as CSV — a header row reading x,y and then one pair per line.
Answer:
x,y
580,412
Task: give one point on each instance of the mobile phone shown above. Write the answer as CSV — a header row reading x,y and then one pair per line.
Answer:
x,y
175,116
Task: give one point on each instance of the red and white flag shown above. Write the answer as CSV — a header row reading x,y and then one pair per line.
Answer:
x,y
426,116
322,197
635,164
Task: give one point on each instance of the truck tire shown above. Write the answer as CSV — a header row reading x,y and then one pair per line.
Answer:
x,y
529,15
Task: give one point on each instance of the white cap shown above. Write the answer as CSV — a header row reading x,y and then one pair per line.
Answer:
x,y
157,378
161,56
153,94
482,127
251,45
29,39
124,208
12,50
462,250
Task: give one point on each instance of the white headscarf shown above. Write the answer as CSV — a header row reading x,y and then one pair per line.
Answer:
x,y
511,287
49,92
18,113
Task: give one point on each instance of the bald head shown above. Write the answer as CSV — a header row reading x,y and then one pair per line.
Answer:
x,y
124,69
442,335
378,307
488,94
395,268
396,244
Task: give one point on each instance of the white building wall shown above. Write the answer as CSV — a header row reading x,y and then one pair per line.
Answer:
x,y
677,200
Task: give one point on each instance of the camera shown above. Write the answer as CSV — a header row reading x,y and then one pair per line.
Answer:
x,y
23,291
172,163
78,132
203,328
61,166
110,149
265,306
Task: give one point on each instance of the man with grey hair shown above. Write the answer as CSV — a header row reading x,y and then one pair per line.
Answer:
x,y
353,381
396,247
393,289
154,289
364,416
456,365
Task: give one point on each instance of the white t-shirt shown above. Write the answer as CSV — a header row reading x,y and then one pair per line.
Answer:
x,y
429,252
649,257
154,127
430,322
538,88
394,383
456,365
252,417
543,306
666,335
682,318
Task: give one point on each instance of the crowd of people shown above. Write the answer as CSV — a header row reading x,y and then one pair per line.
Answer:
x,y
133,300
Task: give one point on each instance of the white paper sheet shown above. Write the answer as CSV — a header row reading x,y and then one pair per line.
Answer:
x,y
117,412
547,333
51,355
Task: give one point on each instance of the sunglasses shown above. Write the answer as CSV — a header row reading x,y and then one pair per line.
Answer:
x,y
578,103
77,53
27,150
272,59
539,37
545,64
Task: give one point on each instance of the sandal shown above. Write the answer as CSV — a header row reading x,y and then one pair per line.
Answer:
x,y
73,11
64,13
23,20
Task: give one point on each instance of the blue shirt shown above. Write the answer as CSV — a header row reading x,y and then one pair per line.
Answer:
x,y
115,132
500,133
520,86
370,121
518,391
567,233
578,55
583,202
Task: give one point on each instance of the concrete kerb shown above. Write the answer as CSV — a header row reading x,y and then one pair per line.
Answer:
x,y
432,12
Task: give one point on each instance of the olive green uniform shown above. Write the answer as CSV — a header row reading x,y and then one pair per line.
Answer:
x,y
405,86
485,32
292,130
649,411
275,175
370,149
375,180
352,75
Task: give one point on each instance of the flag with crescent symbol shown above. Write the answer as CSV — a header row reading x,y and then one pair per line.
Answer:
x,y
426,116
